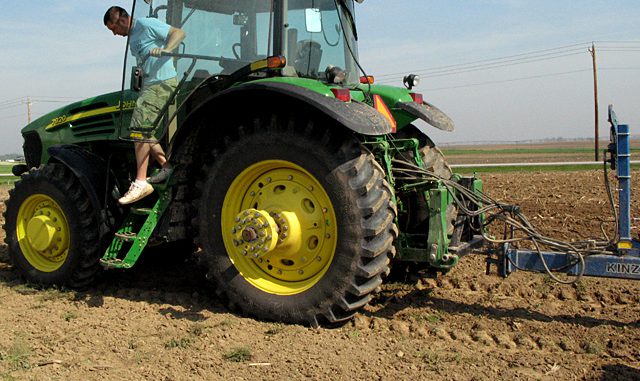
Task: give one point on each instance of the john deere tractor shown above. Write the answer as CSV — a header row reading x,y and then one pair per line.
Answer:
x,y
297,178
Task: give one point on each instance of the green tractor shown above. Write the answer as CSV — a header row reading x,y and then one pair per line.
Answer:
x,y
297,178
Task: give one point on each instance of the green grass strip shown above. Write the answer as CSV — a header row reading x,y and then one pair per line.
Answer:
x,y
475,151
536,168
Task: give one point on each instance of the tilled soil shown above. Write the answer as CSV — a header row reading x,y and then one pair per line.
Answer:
x,y
161,320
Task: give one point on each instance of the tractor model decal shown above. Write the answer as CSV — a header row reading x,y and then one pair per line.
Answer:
x,y
63,119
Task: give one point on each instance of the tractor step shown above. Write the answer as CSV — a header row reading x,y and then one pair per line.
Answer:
x,y
126,236
141,211
144,220
114,264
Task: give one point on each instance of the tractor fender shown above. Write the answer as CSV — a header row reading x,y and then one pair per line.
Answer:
x,y
356,116
89,168
429,113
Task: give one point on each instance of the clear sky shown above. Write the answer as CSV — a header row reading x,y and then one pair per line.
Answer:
x,y
504,70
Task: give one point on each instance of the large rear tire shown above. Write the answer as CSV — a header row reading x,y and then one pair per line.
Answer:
x,y
295,224
416,220
51,229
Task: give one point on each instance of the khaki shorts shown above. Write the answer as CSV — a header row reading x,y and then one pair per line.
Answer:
x,y
149,104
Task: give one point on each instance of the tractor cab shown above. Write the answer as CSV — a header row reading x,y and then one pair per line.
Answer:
x,y
317,38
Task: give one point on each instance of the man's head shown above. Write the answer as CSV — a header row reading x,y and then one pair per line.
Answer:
x,y
117,20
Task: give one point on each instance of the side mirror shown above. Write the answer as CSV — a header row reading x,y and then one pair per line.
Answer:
x,y
137,78
313,20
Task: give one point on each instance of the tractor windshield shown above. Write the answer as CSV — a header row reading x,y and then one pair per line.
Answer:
x,y
232,34
318,35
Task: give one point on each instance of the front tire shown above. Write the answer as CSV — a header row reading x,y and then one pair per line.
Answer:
x,y
296,225
51,229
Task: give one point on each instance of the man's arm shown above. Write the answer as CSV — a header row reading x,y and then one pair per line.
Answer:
x,y
174,38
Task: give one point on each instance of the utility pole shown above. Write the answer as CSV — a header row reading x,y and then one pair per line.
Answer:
x,y
595,97
28,110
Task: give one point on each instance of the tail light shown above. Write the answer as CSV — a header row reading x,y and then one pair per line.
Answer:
x,y
417,98
341,94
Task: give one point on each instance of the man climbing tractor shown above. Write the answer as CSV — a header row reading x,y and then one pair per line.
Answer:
x,y
148,39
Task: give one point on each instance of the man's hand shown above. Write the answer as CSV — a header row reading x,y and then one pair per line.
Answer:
x,y
156,52
174,39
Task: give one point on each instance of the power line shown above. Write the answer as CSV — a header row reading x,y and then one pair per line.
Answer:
x,y
11,116
18,101
619,50
617,42
517,59
7,107
619,68
511,80
494,66
491,61
47,101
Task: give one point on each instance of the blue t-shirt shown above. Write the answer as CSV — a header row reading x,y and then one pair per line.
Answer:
x,y
149,33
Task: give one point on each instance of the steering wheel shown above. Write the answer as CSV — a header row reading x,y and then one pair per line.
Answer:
x,y
233,49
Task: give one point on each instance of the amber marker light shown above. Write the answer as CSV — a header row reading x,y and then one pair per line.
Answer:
x,y
382,108
367,79
276,62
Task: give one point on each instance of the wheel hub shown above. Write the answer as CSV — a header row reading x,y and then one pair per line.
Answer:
x,y
44,232
255,233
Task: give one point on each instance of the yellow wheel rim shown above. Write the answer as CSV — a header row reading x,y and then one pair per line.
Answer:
x,y
43,233
279,227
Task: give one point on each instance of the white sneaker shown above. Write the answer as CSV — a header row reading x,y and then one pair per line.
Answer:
x,y
135,193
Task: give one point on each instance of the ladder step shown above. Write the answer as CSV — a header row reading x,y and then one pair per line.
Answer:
x,y
114,263
127,237
141,211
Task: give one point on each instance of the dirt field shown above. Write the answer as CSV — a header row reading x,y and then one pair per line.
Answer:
x,y
160,321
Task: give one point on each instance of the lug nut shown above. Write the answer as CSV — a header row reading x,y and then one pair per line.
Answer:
x,y
237,219
252,193
290,177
